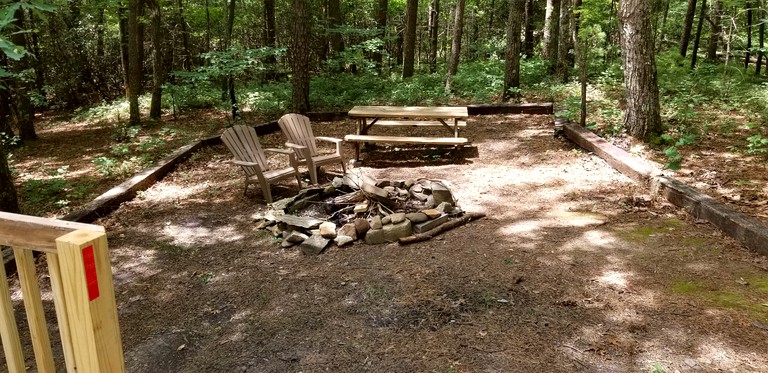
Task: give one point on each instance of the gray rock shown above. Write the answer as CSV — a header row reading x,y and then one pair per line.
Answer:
x,y
296,237
348,230
402,192
361,227
328,190
394,231
397,217
337,182
426,184
375,237
444,207
430,203
300,221
263,224
417,217
408,183
431,213
328,230
389,189
377,193
441,193
275,229
416,188
355,179
314,245
285,244
283,203
342,241
430,224
376,222
419,196
386,220
384,183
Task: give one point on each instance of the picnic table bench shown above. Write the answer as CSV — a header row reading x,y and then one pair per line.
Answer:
x,y
451,118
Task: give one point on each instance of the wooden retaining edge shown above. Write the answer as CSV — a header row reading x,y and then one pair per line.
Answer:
x,y
530,108
749,231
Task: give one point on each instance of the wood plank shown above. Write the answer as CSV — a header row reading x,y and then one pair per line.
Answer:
x,y
54,270
416,123
9,332
35,232
408,140
444,112
33,305
93,322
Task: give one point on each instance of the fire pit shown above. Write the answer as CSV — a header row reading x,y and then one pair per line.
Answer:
x,y
357,206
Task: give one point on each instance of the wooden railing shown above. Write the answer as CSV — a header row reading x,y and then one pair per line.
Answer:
x,y
82,290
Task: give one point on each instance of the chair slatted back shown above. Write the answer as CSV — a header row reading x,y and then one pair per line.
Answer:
x,y
298,129
244,144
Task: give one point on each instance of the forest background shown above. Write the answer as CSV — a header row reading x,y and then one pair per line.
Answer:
x,y
156,73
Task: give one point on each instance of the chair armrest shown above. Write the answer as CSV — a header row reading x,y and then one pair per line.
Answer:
x,y
276,150
329,139
244,163
295,146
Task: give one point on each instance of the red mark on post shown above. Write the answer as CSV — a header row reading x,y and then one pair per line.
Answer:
x,y
89,262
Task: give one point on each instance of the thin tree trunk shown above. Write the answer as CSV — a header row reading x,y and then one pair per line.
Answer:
x,y
458,28
564,44
187,58
299,53
697,38
8,199
229,84
747,55
642,117
36,55
434,16
381,25
270,37
528,29
22,109
760,40
717,30
409,49
662,29
207,26
580,51
512,50
135,46
335,21
553,26
490,16
123,29
155,107
687,27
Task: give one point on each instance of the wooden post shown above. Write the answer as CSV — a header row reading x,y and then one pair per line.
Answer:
x,y
14,357
33,305
90,300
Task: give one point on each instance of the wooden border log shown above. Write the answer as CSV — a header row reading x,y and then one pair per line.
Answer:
x,y
468,217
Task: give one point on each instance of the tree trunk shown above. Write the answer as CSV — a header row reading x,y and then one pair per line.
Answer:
x,y
747,55
580,50
528,29
687,26
6,131
335,21
155,107
123,29
760,40
434,16
207,27
36,55
229,88
697,38
22,109
270,37
642,118
717,30
381,24
458,29
299,53
549,47
409,49
135,46
187,58
663,28
8,199
512,50
564,41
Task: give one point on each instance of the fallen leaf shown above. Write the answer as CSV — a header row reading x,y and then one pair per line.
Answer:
x,y
181,347
742,281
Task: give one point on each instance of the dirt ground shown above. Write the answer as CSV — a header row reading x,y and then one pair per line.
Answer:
x,y
575,268
572,270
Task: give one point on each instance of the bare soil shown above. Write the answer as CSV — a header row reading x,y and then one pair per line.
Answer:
x,y
575,268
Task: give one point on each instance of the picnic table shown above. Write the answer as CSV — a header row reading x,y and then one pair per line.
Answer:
x,y
452,118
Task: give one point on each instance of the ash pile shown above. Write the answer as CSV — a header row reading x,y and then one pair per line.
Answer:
x,y
359,207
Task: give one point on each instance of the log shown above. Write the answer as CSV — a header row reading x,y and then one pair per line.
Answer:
x,y
468,217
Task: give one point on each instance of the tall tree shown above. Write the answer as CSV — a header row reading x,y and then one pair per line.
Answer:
x,y
122,26
229,81
687,26
434,31
747,55
717,30
299,54
8,198
182,22
760,40
270,37
697,38
528,29
135,46
551,16
458,29
335,21
381,24
564,41
409,49
642,118
158,75
580,50
512,50
21,85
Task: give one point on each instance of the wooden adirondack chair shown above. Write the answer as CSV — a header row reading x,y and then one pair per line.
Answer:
x,y
244,144
298,130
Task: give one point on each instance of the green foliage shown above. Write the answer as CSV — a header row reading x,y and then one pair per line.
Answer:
x,y
674,158
757,144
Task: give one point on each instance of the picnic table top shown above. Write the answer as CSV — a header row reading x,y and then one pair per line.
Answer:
x,y
441,112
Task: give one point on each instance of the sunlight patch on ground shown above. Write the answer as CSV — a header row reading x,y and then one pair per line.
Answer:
x,y
139,266
164,192
190,236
